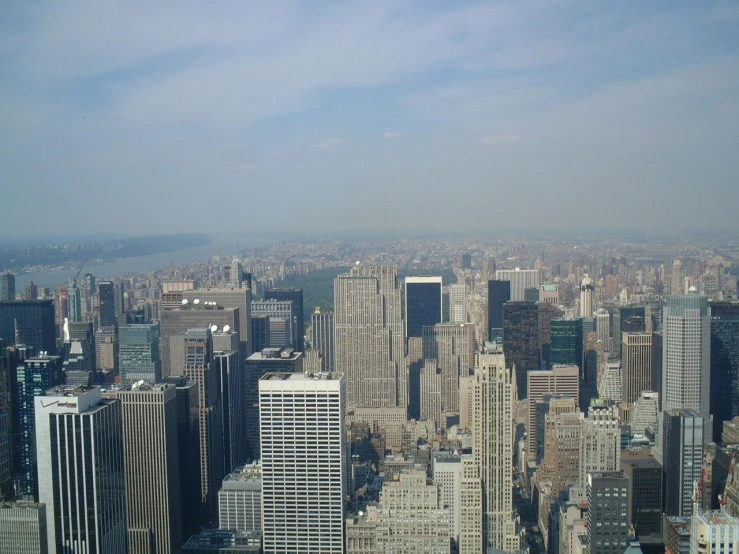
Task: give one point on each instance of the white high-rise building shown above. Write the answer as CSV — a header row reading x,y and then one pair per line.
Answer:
x,y
304,462
600,443
240,499
587,291
492,438
521,279
686,347
370,336
447,472
603,329
645,412
79,448
458,303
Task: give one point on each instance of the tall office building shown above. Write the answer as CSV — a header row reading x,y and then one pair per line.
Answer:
x,y
682,456
199,368
259,332
627,319
304,462
561,380
34,321
370,336
232,381
75,307
677,277
587,292
23,528
458,303
152,468
563,436
228,299
7,287
269,360
6,474
322,324
600,443
499,292
547,314
34,376
644,477
236,274
686,376
81,471
603,329
453,348
411,516
240,499
106,293
657,353
521,340
422,304
31,291
608,531
724,399
430,384
492,437
636,365
138,353
470,508
106,349
296,297
521,279
283,322
189,316
567,342
645,412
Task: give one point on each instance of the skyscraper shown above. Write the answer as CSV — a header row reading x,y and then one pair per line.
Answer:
x,y
499,292
240,499
636,363
686,377
370,336
296,297
34,320
304,462
521,279
75,307
600,443
458,303
7,287
283,322
492,436
259,332
452,346
80,470
561,380
587,291
200,368
521,340
34,376
547,314
422,304
682,456
607,514
627,319
228,299
724,399
106,292
23,528
152,467
567,342
138,353
322,324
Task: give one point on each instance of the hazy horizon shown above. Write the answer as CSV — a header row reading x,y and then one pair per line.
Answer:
x,y
395,118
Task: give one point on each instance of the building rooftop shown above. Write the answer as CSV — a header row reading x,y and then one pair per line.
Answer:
x,y
71,391
301,377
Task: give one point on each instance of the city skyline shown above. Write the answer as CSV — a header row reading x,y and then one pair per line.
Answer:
x,y
430,105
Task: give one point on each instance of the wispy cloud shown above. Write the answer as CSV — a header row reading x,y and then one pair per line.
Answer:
x,y
328,143
392,135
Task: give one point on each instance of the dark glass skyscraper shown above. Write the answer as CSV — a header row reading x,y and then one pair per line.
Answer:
x,y
106,291
724,363
36,326
296,297
567,342
499,292
7,286
422,304
521,340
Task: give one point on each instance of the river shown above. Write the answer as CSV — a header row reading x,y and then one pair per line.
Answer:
x,y
133,264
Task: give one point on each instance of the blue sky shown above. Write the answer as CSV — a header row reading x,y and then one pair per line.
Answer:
x,y
139,117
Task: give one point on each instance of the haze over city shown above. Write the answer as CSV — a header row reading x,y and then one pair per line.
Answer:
x,y
398,116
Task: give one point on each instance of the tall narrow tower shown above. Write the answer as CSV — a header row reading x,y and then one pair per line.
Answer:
x,y
304,462
492,436
686,377
369,332
587,290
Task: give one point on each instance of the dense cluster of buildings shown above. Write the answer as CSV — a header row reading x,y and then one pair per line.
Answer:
x,y
581,404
